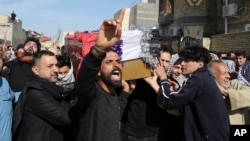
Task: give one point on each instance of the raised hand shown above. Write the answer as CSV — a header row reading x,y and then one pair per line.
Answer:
x,y
160,72
110,32
152,81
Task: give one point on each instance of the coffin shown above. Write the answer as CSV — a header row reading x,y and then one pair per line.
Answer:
x,y
135,69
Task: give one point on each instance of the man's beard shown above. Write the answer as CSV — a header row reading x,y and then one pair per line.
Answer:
x,y
28,53
106,78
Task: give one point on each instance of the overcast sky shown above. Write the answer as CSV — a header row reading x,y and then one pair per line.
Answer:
x,y
48,16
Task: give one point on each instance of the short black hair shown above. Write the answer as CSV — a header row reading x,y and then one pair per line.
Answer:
x,y
38,55
36,40
196,53
241,53
63,60
166,49
64,50
19,46
178,61
155,49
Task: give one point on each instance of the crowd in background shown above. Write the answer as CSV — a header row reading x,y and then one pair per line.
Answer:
x,y
192,95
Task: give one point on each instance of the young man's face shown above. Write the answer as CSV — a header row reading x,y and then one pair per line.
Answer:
x,y
110,71
63,71
165,58
176,70
240,60
189,67
222,74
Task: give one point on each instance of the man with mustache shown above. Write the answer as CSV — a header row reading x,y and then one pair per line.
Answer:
x,y
41,114
99,76
236,94
20,70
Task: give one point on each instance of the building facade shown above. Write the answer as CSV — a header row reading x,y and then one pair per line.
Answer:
x,y
188,22
144,13
236,14
210,23
15,33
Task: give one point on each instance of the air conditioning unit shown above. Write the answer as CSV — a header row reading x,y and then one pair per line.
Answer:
x,y
174,30
247,27
229,10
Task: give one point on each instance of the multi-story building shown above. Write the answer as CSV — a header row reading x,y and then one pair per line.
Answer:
x,y
236,16
125,22
188,22
143,13
219,25
15,33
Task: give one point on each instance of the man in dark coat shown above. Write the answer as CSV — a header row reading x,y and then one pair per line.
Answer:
x,y
41,114
20,69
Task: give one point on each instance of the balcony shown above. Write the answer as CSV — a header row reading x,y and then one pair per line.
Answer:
x,y
165,18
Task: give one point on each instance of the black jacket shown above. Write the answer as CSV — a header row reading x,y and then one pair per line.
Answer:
x,y
144,118
41,114
205,112
19,74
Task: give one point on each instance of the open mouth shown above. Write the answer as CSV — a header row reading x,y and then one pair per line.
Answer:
x,y
116,74
30,50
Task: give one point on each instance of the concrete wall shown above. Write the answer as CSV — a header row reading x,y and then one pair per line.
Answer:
x,y
145,14
227,42
237,22
205,17
4,19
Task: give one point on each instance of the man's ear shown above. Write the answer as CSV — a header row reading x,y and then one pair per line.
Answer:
x,y
99,73
201,64
35,70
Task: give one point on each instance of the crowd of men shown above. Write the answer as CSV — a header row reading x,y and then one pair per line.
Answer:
x,y
193,95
